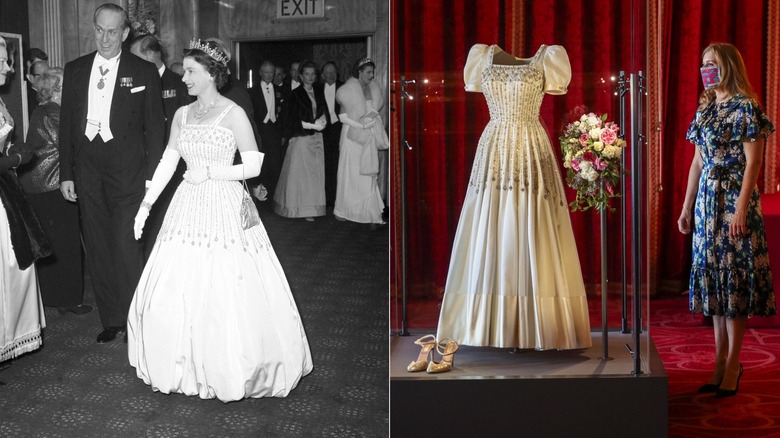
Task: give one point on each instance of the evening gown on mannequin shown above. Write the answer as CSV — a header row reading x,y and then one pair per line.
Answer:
x,y
514,278
213,315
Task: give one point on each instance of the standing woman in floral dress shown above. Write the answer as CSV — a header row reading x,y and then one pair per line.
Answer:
x,y
730,277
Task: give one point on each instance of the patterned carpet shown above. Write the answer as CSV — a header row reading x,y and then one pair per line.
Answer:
x,y
74,387
686,348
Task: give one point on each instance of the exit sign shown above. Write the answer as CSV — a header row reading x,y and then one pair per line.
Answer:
x,y
296,9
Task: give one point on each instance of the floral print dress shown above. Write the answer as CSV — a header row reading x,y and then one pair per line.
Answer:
x,y
729,276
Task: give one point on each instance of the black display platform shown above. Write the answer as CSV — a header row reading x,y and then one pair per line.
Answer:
x,y
494,392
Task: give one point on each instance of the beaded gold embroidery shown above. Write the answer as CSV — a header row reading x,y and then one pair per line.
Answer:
x,y
524,161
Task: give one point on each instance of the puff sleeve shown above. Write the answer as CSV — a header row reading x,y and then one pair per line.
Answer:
x,y
472,72
557,70
751,122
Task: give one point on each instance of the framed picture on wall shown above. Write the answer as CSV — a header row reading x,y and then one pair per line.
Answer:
x,y
14,92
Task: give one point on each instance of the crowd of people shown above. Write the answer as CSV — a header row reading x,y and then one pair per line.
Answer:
x,y
136,170
321,138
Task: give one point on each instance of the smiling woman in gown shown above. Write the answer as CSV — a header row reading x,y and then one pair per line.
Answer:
x,y
213,315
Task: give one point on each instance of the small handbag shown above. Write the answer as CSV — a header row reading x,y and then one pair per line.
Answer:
x,y
249,215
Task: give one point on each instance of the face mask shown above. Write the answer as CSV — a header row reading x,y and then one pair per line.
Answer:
x,y
710,76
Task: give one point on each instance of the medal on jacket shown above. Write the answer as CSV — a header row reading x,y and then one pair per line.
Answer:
x,y
103,74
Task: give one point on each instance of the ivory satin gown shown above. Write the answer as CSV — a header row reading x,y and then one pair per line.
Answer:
x,y
514,278
213,314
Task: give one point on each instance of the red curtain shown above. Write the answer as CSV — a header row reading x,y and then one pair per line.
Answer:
x,y
431,40
689,27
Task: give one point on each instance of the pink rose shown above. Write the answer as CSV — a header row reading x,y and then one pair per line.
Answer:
x,y
610,189
584,139
608,136
612,126
600,164
575,164
589,156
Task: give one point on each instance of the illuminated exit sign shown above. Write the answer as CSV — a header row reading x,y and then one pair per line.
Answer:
x,y
296,9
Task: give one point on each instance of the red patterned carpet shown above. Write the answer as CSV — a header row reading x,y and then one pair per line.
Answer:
x,y
686,348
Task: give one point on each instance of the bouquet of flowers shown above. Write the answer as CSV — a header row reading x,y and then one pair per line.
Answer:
x,y
591,153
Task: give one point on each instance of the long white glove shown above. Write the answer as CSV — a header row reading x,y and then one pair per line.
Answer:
x,y
252,161
163,173
314,126
355,124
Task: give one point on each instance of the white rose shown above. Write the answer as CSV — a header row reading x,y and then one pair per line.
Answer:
x,y
577,123
592,175
594,121
598,146
595,133
585,167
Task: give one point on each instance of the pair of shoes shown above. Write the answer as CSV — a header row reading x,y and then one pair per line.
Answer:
x,y
720,393
309,219
260,192
78,310
423,362
109,334
339,218
426,343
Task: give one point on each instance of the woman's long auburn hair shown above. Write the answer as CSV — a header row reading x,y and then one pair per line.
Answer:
x,y
733,79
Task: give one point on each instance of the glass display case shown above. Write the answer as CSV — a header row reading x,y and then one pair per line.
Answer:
x,y
439,126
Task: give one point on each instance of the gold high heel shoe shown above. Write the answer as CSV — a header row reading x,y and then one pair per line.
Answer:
x,y
447,356
426,344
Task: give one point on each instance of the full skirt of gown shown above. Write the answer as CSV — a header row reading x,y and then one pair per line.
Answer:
x,y
514,277
300,191
357,196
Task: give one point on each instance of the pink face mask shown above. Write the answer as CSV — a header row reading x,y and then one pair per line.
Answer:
x,y
710,76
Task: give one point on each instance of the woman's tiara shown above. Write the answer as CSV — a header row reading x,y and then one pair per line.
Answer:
x,y
363,61
218,55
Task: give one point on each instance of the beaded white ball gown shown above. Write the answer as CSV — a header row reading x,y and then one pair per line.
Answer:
x,y
514,278
213,314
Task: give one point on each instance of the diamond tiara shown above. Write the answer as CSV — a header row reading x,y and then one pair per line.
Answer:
x,y
364,61
218,55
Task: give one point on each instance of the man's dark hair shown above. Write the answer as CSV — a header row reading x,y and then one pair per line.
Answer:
x,y
36,53
113,8
32,55
148,43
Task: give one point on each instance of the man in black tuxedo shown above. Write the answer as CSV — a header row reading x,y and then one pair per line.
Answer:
x,y
295,76
174,96
174,92
111,139
267,100
331,135
36,62
279,76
